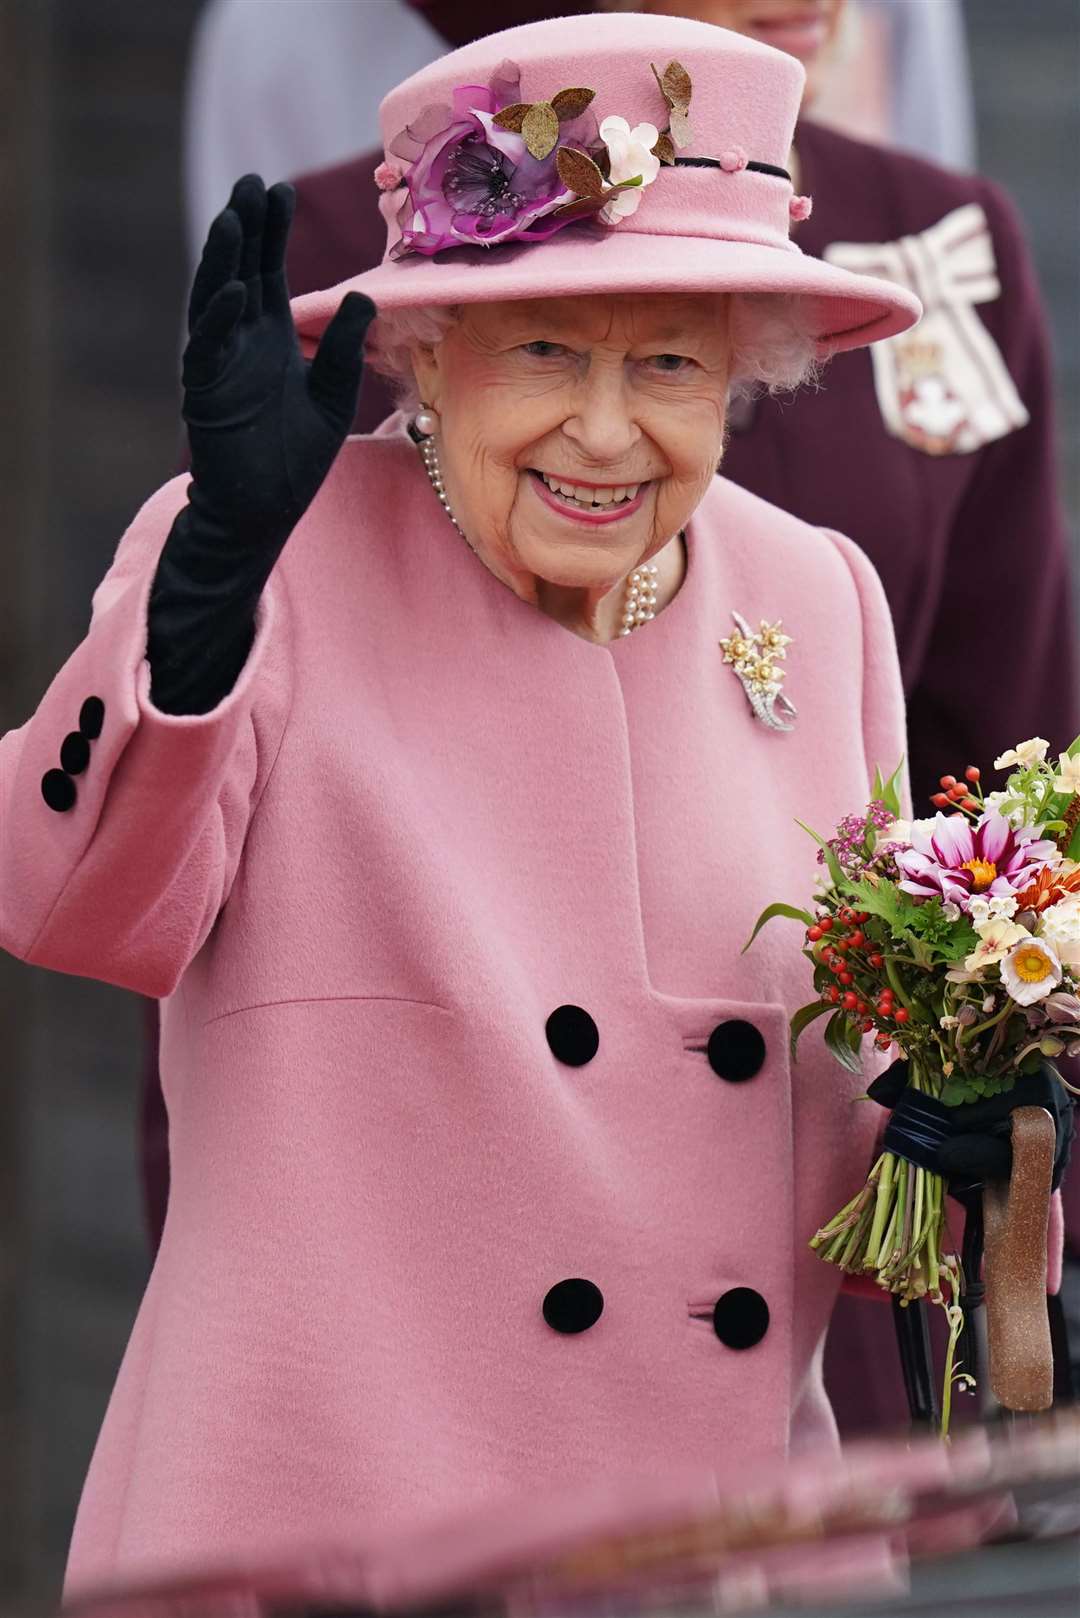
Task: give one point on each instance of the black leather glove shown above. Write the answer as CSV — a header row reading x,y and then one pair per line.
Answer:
x,y
976,1144
264,427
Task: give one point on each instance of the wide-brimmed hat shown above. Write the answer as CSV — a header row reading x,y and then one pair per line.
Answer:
x,y
608,153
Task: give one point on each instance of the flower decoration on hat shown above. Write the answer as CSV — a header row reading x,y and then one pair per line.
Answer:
x,y
756,658
489,168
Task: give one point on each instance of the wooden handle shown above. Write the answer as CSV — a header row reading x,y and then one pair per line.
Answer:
x,y
1015,1214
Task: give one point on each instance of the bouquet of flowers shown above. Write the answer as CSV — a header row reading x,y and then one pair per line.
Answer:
x,y
954,941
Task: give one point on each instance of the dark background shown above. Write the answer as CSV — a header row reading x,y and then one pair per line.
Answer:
x,y
92,280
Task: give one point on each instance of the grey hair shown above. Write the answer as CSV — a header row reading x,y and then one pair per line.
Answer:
x,y
772,345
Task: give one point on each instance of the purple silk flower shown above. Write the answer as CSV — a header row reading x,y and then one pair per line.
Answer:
x,y
472,184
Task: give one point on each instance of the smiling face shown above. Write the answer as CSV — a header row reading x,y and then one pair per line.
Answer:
x,y
578,434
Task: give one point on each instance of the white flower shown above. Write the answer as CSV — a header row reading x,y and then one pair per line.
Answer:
x,y
631,155
897,831
996,937
1060,926
1024,755
951,911
1068,776
1030,970
984,908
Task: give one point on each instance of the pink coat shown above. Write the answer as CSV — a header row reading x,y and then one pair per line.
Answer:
x,y
426,818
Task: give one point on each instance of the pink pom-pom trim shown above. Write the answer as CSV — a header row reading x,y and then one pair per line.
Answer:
x,y
733,160
387,177
800,208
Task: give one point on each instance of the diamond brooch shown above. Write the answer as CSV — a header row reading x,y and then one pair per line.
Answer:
x,y
756,658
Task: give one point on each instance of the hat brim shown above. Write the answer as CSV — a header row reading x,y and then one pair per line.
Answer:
x,y
842,310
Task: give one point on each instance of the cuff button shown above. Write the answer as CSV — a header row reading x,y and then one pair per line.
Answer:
x,y
74,752
58,790
91,718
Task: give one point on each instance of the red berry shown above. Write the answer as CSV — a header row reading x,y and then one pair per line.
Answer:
x,y
877,961
866,1025
814,933
825,924
954,794
947,781
842,945
883,1041
851,1001
884,1006
970,803
972,773
834,995
940,800
857,939
903,1015
845,977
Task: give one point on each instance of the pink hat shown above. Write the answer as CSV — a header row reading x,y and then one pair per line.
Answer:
x,y
603,154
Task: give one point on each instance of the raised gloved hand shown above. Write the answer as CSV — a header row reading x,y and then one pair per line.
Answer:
x,y
264,424
970,1144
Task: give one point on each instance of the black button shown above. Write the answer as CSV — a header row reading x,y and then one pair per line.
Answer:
x,y
58,790
573,1306
741,1318
91,718
74,752
736,1050
573,1036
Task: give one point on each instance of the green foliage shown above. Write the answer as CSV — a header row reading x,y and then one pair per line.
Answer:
x,y
803,1018
792,911
888,791
932,936
844,1039
960,1088
835,870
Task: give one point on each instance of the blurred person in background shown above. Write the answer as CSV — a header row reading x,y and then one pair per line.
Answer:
x,y
935,452
293,86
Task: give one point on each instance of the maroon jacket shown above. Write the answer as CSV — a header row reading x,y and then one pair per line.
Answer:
x,y
971,548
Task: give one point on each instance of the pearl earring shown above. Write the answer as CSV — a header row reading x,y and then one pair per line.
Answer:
x,y
426,421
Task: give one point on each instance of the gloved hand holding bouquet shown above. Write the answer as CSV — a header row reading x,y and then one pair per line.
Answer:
x,y
956,941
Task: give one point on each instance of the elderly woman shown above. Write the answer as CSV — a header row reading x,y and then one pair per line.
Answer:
x,y
411,774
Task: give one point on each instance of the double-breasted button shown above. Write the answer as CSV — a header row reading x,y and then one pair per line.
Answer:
x,y
574,1305
58,790
74,752
741,1318
572,1035
91,718
736,1050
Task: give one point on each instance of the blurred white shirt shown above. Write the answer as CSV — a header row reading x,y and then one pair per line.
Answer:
x,y
278,87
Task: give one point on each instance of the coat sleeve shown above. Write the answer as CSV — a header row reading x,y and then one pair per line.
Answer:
x,y
121,828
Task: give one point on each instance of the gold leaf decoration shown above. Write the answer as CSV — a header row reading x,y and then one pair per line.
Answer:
x,y
679,126
675,83
581,208
571,103
511,118
540,128
578,172
665,148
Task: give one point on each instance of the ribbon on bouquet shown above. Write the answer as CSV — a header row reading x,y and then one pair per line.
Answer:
x,y
942,387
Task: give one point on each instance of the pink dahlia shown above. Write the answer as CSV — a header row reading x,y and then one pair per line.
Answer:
x,y
952,859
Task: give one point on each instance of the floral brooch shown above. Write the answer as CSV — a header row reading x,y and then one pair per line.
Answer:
x,y
756,659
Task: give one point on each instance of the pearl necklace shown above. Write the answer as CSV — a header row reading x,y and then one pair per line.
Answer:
x,y
639,599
